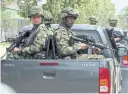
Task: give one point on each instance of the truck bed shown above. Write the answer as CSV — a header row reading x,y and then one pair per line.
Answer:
x,y
52,76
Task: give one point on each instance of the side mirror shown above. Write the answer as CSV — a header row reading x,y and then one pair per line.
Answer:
x,y
122,51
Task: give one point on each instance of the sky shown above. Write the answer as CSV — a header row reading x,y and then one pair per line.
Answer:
x,y
120,4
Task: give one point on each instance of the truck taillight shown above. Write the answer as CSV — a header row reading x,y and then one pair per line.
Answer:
x,y
125,60
49,64
104,81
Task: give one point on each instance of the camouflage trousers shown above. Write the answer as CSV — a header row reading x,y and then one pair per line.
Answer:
x,y
86,57
11,56
90,57
39,56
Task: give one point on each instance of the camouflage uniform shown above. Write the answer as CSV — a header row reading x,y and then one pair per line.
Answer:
x,y
38,45
35,10
28,28
36,49
66,45
93,20
13,55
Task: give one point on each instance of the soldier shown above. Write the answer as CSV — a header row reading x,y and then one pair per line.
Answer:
x,y
93,20
34,14
37,36
67,47
48,20
112,22
29,28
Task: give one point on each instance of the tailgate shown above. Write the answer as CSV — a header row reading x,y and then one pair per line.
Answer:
x,y
39,76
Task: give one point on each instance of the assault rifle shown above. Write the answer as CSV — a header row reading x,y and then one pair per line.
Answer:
x,y
89,41
16,42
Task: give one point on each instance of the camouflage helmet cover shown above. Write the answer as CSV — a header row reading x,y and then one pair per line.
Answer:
x,y
47,15
93,18
35,10
112,20
68,11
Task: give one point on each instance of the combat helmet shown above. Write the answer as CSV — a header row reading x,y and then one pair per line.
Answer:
x,y
93,20
35,10
112,22
69,11
47,17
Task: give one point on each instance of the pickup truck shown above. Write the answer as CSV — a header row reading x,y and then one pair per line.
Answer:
x,y
67,76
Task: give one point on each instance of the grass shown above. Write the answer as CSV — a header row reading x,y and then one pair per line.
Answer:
x,y
4,44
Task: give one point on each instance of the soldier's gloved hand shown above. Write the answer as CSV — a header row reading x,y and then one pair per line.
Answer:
x,y
15,50
83,46
96,50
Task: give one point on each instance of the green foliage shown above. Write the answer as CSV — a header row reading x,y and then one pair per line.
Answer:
x,y
103,9
25,5
7,14
4,3
123,18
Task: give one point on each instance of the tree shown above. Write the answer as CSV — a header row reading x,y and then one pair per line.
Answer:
x,y
123,18
6,14
103,9
24,6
